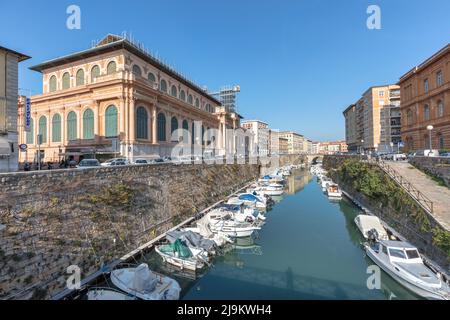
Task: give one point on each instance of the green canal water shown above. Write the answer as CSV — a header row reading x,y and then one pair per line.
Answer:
x,y
309,248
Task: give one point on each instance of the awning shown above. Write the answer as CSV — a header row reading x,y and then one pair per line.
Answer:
x,y
5,148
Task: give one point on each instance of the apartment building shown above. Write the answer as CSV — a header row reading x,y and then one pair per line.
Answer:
x,y
9,149
373,123
425,102
261,140
295,142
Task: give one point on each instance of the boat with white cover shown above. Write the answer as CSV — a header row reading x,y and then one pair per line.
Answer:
x,y
404,264
145,284
371,227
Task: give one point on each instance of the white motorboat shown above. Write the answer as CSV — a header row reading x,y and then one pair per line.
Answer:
x,y
325,182
223,222
371,227
271,179
270,189
108,294
403,263
181,256
259,202
333,191
145,284
239,213
202,228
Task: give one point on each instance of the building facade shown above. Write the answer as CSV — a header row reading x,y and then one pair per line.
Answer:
x,y
116,99
425,94
261,136
295,142
373,123
333,147
9,131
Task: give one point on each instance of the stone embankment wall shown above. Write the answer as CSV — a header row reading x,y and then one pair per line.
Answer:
x,y
438,167
397,209
51,220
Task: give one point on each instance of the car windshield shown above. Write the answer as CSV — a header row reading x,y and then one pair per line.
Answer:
x,y
412,254
88,163
397,253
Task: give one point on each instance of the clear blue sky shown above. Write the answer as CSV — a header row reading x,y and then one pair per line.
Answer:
x,y
299,63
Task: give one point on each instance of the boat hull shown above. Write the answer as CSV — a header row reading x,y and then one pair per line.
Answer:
x,y
420,291
180,263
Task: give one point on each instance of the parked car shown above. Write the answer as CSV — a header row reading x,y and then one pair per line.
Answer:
x,y
88,163
445,154
141,161
112,162
119,162
157,160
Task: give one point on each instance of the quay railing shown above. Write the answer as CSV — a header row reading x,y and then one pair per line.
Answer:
x,y
416,194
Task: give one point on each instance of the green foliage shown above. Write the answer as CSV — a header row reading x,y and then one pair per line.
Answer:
x,y
373,183
118,195
441,238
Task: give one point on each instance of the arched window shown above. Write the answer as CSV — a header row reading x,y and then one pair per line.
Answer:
x,y
43,128
137,70
203,135
111,67
141,123
190,99
183,95
52,83
197,103
441,142
163,85
56,128
95,72
151,77
185,131
111,122
88,124
30,134
409,117
161,127
174,91
426,112
72,126
66,81
440,108
173,127
80,78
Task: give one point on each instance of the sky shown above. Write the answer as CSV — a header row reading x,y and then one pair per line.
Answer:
x,y
299,63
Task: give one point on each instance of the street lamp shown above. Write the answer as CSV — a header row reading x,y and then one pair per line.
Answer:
x,y
430,128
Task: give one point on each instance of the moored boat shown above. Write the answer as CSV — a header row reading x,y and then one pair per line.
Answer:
x,y
145,284
403,263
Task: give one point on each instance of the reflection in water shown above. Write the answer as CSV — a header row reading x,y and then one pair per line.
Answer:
x,y
309,248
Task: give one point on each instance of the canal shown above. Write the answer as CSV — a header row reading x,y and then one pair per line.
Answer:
x,y
309,248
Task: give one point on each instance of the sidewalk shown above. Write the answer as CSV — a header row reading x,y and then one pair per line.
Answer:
x,y
439,195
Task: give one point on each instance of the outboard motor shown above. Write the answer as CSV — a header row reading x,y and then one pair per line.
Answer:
x,y
373,235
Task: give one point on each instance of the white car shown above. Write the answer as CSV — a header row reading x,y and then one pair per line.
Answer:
x,y
112,162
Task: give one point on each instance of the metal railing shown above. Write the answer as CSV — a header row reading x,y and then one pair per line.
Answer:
x,y
418,196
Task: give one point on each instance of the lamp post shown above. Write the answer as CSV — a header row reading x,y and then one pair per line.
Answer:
x,y
430,128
